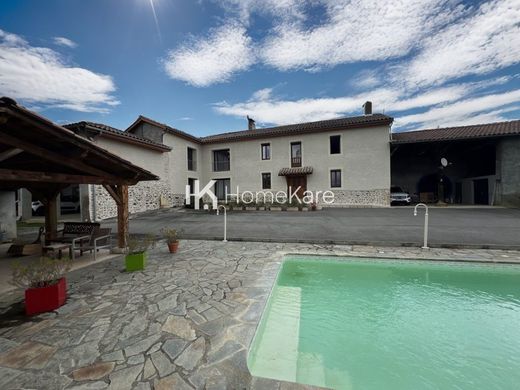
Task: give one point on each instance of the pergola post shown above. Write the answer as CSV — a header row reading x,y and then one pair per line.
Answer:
x,y
122,216
51,216
49,198
119,193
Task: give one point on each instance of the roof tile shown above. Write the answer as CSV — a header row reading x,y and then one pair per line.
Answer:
x,y
497,129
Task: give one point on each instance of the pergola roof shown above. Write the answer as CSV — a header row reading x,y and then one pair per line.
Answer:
x,y
37,152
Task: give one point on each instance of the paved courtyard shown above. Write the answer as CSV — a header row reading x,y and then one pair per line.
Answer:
x,y
480,227
186,322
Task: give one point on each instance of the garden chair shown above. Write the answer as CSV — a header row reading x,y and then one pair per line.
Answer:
x,y
101,238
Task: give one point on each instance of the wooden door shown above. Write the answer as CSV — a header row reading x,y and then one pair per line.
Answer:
x,y
293,182
480,191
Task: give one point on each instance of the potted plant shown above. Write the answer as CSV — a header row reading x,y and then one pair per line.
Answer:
x,y
44,283
135,259
172,238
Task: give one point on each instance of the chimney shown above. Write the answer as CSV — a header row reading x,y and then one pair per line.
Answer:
x,y
368,108
250,123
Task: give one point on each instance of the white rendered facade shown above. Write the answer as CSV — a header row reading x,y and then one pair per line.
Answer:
x,y
361,168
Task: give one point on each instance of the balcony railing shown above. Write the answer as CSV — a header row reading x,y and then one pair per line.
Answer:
x,y
219,166
296,162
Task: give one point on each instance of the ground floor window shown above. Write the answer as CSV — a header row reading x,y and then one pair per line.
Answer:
x,y
222,186
266,181
335,178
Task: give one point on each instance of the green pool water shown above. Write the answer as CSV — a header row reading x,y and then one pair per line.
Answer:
x,y
386,324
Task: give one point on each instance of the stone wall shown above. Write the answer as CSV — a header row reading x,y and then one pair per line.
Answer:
x,y
343,198
360,198
141,197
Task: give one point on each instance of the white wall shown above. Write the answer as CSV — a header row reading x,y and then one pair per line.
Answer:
x,y
177,169
8,214
364,160
151,160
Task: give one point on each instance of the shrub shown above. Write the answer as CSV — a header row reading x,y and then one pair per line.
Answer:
x,y
140,244
171,235
43,273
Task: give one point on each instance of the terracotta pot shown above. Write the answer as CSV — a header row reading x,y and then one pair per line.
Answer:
x,y
173,246
43,299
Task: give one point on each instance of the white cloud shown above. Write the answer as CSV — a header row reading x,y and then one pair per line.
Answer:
x,y
356,30
471,110
62,41
37,74
423,42
212,59
262,94
487,40
366,79
265,108
284,9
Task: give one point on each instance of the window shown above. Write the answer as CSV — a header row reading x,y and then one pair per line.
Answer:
x,y
222,186
296,154
335,144
192,159
266,151
266,181
221,159
335,178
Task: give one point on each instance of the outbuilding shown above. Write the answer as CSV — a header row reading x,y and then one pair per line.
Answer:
x,y
477,164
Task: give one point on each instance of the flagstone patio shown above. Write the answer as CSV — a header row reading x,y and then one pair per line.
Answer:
x,y
185,322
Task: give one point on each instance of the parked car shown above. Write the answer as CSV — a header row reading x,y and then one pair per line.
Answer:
x,y
37,208
398,196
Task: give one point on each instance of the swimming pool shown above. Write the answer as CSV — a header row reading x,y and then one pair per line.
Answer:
x,y
391,324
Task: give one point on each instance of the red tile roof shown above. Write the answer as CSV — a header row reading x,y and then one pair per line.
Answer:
x,y
116,133
278,131
302,128
163,126
295,171
498,129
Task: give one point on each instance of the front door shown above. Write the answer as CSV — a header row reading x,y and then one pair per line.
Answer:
x,y
293,182
480,191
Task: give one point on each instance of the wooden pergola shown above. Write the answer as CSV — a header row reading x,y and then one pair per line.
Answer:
x,y
44,158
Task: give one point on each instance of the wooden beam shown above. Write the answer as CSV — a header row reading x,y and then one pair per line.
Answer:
x,y
112,190
122,215
46,154
21,176
6,155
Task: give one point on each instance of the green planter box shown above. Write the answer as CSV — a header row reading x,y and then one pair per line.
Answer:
x,y
135,261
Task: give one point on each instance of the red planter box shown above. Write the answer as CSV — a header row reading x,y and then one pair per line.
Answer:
x,y
43,299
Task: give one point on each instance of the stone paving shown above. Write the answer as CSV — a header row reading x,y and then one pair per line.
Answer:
x,y
186,322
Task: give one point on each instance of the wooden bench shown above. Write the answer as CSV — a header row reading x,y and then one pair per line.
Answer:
x,y
101,239
77,235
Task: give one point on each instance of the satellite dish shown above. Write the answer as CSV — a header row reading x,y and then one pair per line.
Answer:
x,y
444,162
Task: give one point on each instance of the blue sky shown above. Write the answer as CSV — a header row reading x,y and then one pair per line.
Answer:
x,y
202,66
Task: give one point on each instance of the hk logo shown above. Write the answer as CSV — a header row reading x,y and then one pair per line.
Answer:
x,y
198,194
